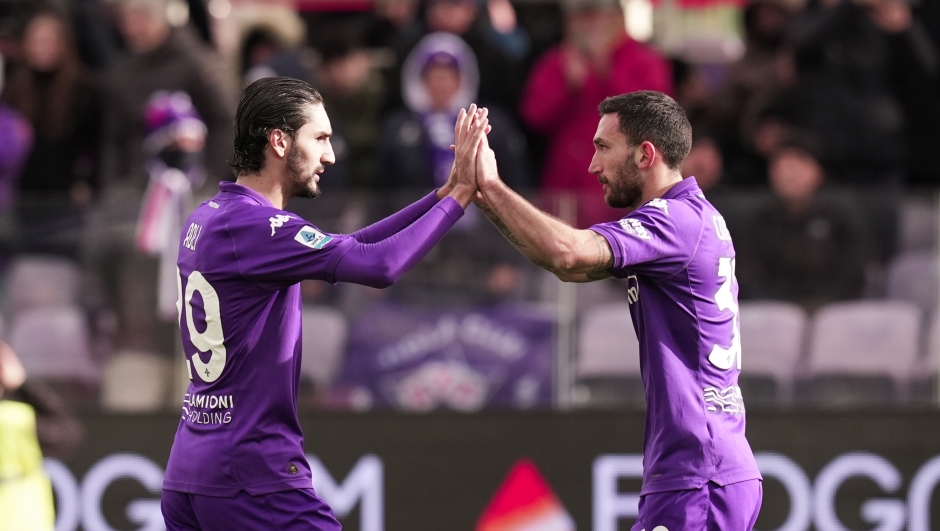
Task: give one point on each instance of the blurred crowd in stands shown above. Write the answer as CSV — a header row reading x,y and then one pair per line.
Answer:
x,y
818,143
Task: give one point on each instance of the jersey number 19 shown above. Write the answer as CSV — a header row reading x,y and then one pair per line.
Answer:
x,y
213,339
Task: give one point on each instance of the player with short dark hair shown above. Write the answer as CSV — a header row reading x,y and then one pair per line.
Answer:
x,y
237,462
675,253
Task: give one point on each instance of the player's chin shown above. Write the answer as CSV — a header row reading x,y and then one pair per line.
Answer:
x,y
311,191
618,201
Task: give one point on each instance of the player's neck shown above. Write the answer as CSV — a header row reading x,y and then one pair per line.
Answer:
x,y
267,186
658,184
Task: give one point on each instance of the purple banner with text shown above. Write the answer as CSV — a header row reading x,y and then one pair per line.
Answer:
x,y
420,360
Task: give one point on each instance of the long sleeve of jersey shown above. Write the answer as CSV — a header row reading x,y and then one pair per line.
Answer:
x,y
381,263
393,224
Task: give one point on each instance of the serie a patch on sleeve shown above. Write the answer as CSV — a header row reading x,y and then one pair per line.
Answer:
x,y
312,238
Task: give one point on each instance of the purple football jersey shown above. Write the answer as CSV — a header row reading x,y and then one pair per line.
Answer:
x,y
240,262
676,254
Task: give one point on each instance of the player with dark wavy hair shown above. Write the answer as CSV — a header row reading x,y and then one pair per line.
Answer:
x,y
675,253
237,462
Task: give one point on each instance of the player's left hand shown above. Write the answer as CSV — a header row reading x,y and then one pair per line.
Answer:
x,y
469,131
452,178
486,170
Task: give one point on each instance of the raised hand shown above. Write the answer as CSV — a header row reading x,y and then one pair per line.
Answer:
x,y
467,139
469,130
486,170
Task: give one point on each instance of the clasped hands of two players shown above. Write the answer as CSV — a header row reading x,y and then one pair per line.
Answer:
x,y
474,161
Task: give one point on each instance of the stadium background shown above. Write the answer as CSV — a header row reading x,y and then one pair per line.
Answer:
x,y
479,389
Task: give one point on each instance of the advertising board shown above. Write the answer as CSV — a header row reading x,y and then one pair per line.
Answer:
x,y
388,472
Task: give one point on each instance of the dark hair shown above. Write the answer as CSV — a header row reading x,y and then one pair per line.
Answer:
x,y
50,109
269,103
652,116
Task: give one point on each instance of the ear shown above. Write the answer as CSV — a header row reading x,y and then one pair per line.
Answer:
x,y
279,142
646,156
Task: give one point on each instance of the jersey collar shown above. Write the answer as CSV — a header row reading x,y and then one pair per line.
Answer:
x,y
687,185
235,188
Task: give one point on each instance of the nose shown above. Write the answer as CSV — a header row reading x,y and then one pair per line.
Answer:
x,y
328,156
595,168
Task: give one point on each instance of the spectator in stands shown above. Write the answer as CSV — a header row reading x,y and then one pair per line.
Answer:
x,y
756,80
392,18
843,91
439,78
693,93
354,91
161,58
59,433
705,161
500,72
174,144
810,247
33,422
50,86
16,141
264,53
560,98
915,77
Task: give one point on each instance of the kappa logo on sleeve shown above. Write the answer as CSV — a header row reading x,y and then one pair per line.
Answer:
x,y
633,227
278,221
312,238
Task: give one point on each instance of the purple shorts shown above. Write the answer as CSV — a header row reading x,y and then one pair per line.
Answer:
x,y
290,510
733,507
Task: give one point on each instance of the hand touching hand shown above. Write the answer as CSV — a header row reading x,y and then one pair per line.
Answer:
x,y
470,129
486,170
468,133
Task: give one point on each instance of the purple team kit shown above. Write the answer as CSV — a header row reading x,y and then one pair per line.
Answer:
x,y
240,263
676,254
239,451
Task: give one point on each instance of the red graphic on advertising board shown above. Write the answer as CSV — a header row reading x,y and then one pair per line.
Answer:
x,y
525,501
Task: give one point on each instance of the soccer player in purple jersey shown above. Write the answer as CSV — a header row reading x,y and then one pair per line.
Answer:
x,y
675,253
237,462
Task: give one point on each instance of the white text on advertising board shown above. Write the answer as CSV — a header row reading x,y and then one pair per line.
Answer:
x,y
81,503
810,502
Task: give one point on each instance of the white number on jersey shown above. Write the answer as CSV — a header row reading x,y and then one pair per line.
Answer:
x,y
725,358
213,339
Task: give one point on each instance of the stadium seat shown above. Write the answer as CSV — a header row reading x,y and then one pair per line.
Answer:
x,y
772,340
608,362
42,281
861,353
135,382
917,225
325,331
53,342
53,345
913,277
927,369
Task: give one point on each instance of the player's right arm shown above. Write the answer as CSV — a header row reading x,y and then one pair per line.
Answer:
x,y
294,250
571,254
398,221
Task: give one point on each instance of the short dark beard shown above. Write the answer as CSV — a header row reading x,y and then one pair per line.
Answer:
x,y
625,186
300,186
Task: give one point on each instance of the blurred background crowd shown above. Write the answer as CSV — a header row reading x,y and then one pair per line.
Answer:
x,y
816,132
